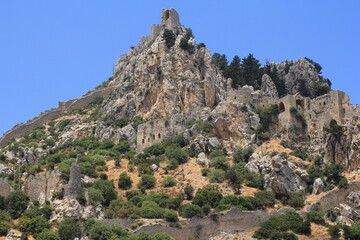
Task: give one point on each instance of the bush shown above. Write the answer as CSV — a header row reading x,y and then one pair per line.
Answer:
x,y
4,227
333,171
34,225
173,152
334,231
334,129
296,200
242,155
219,163
170,215
96,196
46,234
147,181
169,182
100,231
302,156
160,236
16,203
125,181
207,197
156,149
69,229
150,209
254,180
122,147
189,192
314,172
276,227
63,124
316,217
265,198
191,210
169,38
343,183
107,189
216,176
352,232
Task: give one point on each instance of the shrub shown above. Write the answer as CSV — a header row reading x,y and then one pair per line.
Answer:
x,y
207,197
156,149
191,210
298,115
16,203
205,171
160,236
96,196
216,176
4,227
69,229
150,209
265,198
173,152
63,124
125,181
219,163
169,38
107,189
147,181
279,225
332,214
217,153
334,231
34,225
302,156
254,180
122,147
189,192
334,129
316,217
314,172
170,215
343,183
296,200
352,232
100,231
46,234
168,181
333,171
242,155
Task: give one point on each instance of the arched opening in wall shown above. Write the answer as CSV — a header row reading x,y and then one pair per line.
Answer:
x,y
159,136
153,136
281,107
143,140
299,105
309,138
310,116
148,139
167,124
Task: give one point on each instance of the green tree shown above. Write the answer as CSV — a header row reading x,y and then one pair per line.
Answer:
x,y
4,227
190,210
125,181
250,71
189,192
34,225
147,181
46,234
16,203
169,181
107,189
233,71
69,229
220,61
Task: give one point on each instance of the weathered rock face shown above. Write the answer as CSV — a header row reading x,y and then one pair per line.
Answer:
x,y
74,190
157,82
71,208
351,208
268,86
5,187
301,73
41,186
281,176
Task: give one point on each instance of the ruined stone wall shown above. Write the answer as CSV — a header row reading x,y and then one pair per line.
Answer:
x,y
47,116
334,198
41,186
234,220
5,187
154,131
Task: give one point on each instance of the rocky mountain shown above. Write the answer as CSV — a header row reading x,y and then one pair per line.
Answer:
x,y
170,136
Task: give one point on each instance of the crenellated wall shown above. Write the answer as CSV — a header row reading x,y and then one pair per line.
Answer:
x,y
44,117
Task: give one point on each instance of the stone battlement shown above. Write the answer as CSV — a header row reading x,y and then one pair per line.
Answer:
x,y
63,107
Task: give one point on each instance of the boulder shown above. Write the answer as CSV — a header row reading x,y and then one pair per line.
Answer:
x,y
280,175
318,186
202,159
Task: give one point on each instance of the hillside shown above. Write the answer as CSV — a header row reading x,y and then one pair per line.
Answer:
x,y
181,144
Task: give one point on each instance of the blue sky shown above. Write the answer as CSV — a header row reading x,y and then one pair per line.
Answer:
x,y
54,51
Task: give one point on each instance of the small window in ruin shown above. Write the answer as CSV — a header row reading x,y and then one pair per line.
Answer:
x,y
281,107
143,141
148,139
310,116
153,136
324,103
235,98
263,105
159,136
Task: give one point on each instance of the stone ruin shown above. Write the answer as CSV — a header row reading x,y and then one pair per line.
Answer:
x,y
73,189
169,20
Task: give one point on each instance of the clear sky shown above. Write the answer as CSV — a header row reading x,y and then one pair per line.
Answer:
x,y
54,51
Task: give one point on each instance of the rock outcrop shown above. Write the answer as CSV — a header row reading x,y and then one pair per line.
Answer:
x,y
281,176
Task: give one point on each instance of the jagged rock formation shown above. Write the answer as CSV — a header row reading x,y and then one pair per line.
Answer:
x,y
268,86
5,187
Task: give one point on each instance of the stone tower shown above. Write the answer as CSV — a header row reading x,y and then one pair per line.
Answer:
x,y
74,190
169,20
